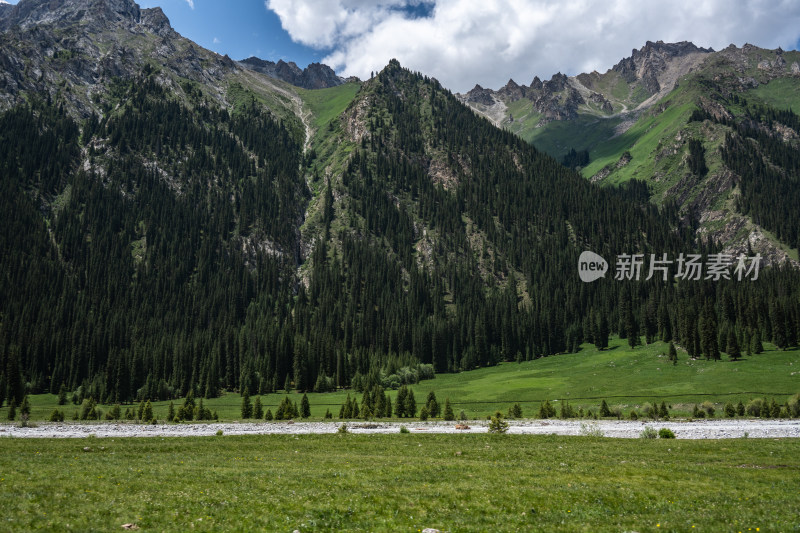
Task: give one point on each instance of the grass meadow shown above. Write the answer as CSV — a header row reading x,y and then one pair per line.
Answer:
x,y
626,378
398,482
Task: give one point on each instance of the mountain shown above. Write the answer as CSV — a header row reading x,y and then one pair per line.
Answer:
x,y
633,121
314,76
173,221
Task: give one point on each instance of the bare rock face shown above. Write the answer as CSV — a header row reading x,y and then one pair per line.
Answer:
x,y
63,13
512,91
647,64
315,76
479,95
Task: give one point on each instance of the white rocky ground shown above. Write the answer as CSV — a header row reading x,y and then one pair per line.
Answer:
x,y
699,429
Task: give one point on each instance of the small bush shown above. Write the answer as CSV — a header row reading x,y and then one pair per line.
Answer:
x,y
633,415
730,410
708,407
648,433
404,429
462,415
666,433
343,429
423,413
56,416
591,429
497,425
219,433
515,411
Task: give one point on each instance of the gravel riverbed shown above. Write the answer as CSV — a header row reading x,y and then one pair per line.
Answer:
x,y
697,429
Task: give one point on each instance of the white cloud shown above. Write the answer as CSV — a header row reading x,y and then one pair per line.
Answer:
x,y
216,41
191,3
463,42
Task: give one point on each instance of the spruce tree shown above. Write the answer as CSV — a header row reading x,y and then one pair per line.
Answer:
x,y
171,412
12,410
432,405
400,402
605,412
733,345
148,411
411,404
423,413
268,415
601,333
448,410
673,353
247,405
305,407
62,395
258,409
25,407
757,347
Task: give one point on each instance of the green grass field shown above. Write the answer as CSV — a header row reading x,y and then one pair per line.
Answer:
x,y
326,104
399,483
623,376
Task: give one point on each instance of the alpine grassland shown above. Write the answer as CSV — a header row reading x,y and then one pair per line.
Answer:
x,y
625,377
398,482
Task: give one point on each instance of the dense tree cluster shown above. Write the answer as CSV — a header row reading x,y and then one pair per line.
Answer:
x,y
153,253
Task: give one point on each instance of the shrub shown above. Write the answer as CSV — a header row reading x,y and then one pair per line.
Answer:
x,y
663,412
708,407
515,411
633,415
730,410
605,412
462,415
740,408
448,410
794,406
666,433
56,416
404,429
754,407
591,430
648,433
219,433
328,414
342,429
546,410
497,425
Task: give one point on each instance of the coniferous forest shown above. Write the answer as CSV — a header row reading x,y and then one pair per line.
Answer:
x,y
159,249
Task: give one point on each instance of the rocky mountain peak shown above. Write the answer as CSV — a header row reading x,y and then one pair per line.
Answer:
x,y
61,13
314,76
654,58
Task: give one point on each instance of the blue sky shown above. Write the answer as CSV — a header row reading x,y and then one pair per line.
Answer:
x,y
464,42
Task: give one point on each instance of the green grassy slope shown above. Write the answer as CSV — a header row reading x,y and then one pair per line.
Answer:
x,y
624,376
327,104
398,483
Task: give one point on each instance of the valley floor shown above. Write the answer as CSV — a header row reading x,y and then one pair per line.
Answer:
x,y
697,429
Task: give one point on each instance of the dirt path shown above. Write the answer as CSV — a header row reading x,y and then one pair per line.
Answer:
x,y
701,429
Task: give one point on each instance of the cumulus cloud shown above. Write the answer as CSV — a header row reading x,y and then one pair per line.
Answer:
x,y
463,42
191,3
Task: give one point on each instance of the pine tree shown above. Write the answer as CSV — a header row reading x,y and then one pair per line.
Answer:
x,y
148,411
62,395
305,407
757,347
411,404
601,334
673,353
268,415
448,410
12,410
423,413
139,411
605,412
258,409
171,412
663,413
247,405
25,407
432,405
400,402
733,345
497,425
